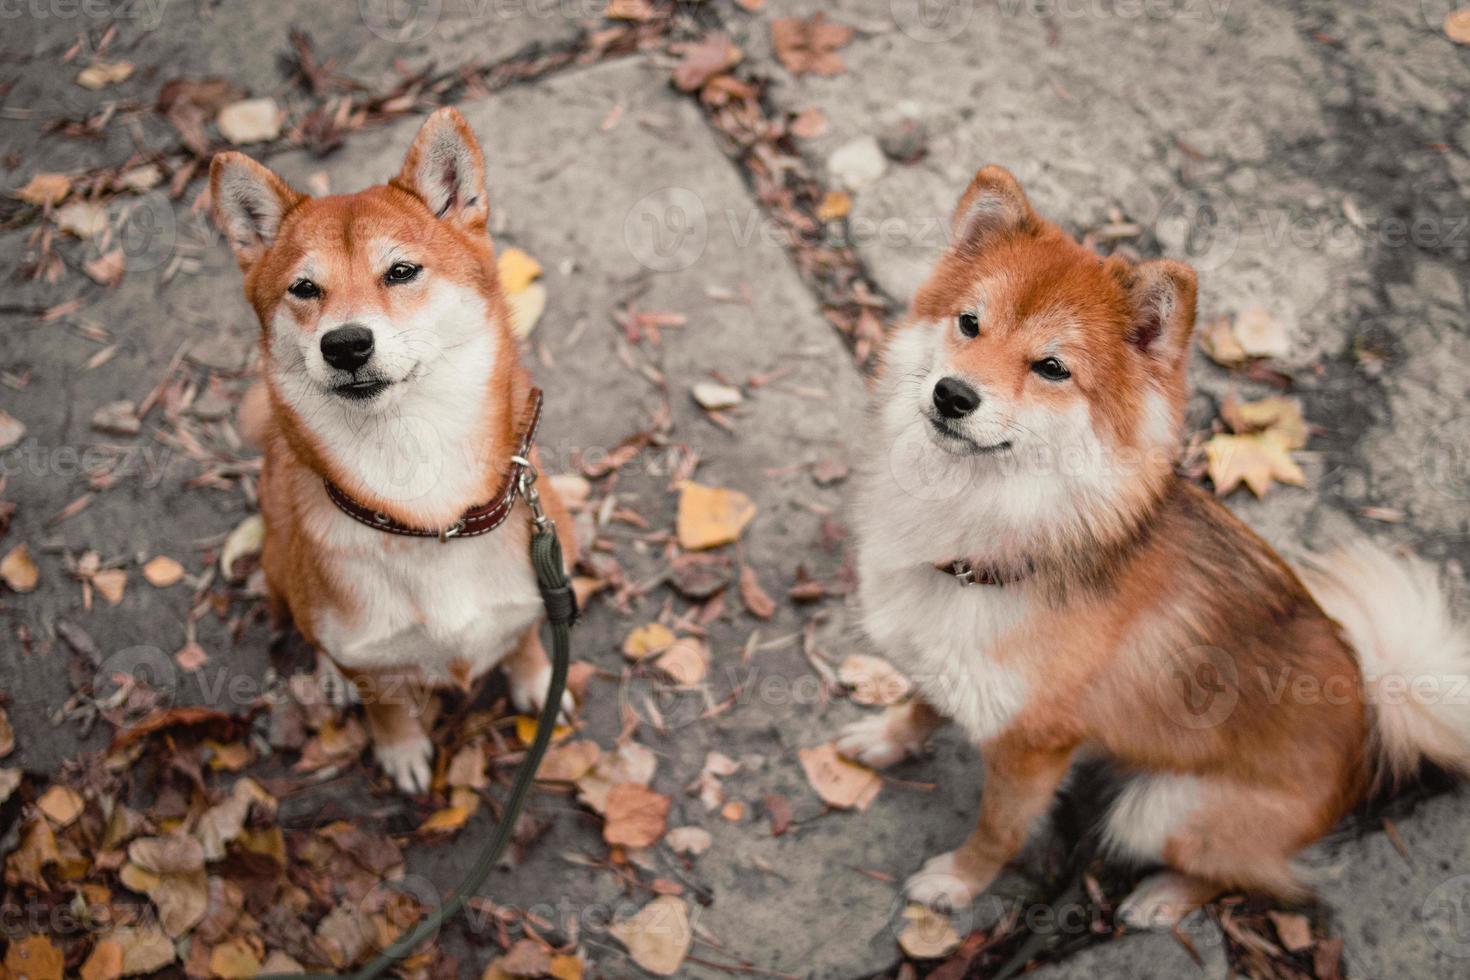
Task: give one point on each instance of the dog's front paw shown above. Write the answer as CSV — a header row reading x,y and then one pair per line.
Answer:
x,y
945,883
528,694
1163,900
409,763
878,741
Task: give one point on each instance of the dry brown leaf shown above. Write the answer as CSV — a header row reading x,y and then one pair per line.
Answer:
x,y
1260,334
873,680
12,430
636,816
170,871
467,767
190,657
34,958
44,189
18,569
100,74
145,948
928,934
1457,25
1255,460
686,662
809,46
568,763
9,783
839,782
647,640
7,734
689,840
808,124
445,821
105,962
755,599
241,548
1218,340
1294,929
703,60
107,268
834,205
711,516
221,824
658,937
163,571
62,805
631,10
110,583
250,121
117,418
37,851
84,219
630,762
233,959
526,958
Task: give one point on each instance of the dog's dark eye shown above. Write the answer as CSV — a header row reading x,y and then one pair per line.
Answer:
x,y
969,324
401,272
304,289
1051,369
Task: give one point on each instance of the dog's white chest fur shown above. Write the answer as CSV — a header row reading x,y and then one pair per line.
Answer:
x,y
418,603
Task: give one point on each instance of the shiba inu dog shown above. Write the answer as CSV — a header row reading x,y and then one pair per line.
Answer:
x,y
1029,556
395,418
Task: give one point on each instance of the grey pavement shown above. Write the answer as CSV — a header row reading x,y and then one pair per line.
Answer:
x,y
1279,147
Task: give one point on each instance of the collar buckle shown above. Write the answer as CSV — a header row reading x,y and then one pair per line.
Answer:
x,y
451,531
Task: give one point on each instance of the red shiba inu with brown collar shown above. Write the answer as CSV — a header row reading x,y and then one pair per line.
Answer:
x,y
1028,554
395,417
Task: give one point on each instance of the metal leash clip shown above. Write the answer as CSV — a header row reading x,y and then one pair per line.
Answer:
x,y
530,493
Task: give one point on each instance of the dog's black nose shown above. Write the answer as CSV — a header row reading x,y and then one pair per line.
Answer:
x,y
347,347
954,398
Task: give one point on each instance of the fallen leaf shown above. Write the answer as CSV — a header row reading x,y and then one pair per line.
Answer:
x,y
105,962
686,662
234,958
332,744
1260,334
44,189
18,569
711,516
779,807
107,269
1282,416
62,805
834,205
716,397
163,571
1254,460
631,10
526,730
244,542
829,471
445,821
110,583
702,60
629,762
220,825
873,680
648,639
84,219
568,763
100,74
517,270
755,599
170,871
250,121
526,958
467,767
689,840
145,948
7,735
808,124
117,418
658,937
1294,929
636,815
1457,25
191,656
12,430
839,782
526,308
34,958
1218,340
809,46
928,935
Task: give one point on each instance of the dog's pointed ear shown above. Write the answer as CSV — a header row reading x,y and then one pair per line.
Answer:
x,y
1161,299
446,170
250,202
992,206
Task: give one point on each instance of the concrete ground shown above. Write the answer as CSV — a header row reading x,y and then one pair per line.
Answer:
x,y
1312,158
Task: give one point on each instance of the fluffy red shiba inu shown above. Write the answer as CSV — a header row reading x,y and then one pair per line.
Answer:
x,y
392,413
1028,554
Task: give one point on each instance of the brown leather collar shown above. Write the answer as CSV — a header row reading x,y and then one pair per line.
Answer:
x,y
473,522
967,572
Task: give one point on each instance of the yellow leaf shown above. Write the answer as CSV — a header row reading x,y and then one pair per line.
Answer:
x,y
444,821
1282,416
565,966
839,782
526,730
233,958
7,735
44,189
526,308
517,270
105,961
145,949
928,935
568,763
658,937
648,639
1254,460
100,74
230,756
711,516
1218,340
34,958
18,569
162,572
834,205
61,805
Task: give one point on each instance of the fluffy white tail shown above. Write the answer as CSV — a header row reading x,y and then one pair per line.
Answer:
x,y
1415,658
